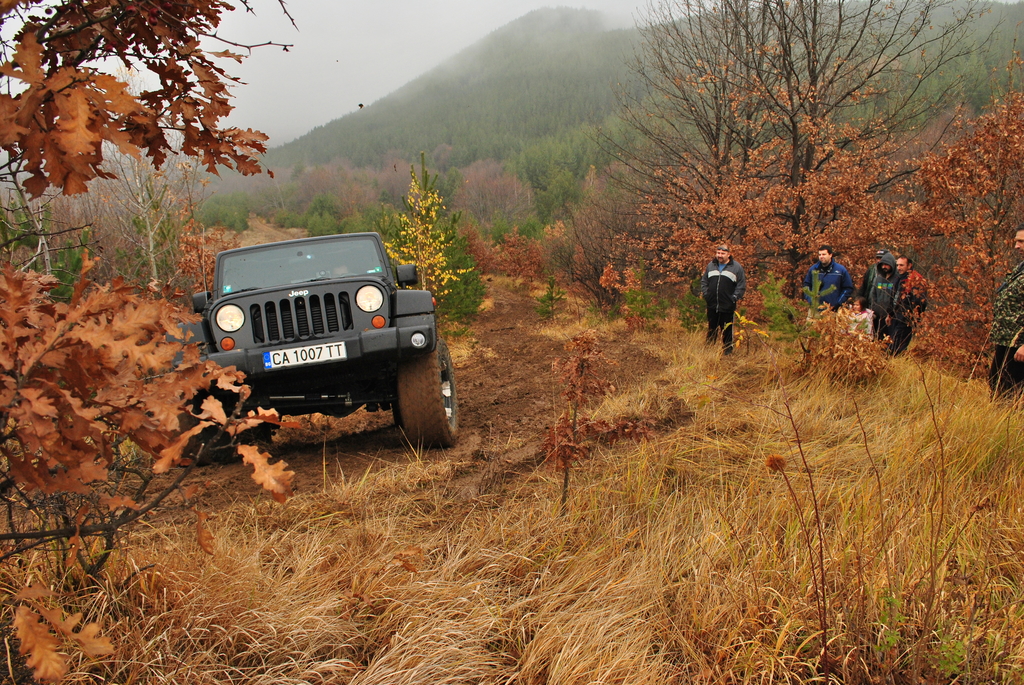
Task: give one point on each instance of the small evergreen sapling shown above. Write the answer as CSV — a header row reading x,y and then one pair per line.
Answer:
x,y
429,238
815,293
547,302
691,307
784,316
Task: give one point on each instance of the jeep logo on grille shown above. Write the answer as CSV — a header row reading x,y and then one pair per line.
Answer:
x,y
298,293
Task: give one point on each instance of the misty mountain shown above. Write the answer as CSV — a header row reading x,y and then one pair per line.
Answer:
x,y
544,75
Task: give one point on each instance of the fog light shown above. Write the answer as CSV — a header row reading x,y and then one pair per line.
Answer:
x,y
418,340
378,322
227,344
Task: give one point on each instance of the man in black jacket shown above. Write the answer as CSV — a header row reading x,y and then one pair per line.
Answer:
x,y
722,286
909,302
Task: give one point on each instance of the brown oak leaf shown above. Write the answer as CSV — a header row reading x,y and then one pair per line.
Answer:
x,y
273,477
39,645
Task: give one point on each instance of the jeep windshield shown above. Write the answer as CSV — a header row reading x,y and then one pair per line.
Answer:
x,y
303,262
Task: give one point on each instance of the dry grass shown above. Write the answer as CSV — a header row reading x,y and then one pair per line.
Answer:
x,y
681,560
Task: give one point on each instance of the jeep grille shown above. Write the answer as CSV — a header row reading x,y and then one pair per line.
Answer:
x,y
283,320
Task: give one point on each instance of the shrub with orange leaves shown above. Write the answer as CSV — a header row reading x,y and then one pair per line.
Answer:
x,y
92,407
480,249
974,200
59,110
641,307
197,252
519,257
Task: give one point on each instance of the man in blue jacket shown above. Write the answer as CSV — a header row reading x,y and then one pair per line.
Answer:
x,y
830,273
722,286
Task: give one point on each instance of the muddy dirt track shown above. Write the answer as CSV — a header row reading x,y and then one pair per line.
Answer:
x,y
507,396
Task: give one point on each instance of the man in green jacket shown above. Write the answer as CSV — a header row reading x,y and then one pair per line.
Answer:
x,y
879,287
1006,377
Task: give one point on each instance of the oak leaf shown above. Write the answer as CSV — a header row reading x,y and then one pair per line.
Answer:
x,y
213,409
91,642
273,477
203,535
187,492
73,119
88,638
258,416
39,645
10,131
34,591
170,455
118,501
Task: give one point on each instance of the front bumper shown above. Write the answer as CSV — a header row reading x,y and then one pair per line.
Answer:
x,y
364,347
335,386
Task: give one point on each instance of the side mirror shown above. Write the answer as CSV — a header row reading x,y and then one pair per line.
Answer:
x,y
407,274
199,301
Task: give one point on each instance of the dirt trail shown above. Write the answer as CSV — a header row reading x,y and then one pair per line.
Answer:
x,y
507,396
260,232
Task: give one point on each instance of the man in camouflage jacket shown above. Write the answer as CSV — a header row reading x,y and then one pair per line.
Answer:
x,y
1006,376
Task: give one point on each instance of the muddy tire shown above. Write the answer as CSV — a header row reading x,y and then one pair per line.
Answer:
x,y
428,408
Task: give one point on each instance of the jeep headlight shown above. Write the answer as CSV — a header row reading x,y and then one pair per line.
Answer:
x,y
230,318
369,298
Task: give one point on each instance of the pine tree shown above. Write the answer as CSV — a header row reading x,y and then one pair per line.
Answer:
x,y
431,240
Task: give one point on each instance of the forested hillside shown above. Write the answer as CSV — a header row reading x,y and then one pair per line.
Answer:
x,y
514,126
543,75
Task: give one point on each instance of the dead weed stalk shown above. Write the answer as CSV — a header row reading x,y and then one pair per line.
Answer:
x,y
567,440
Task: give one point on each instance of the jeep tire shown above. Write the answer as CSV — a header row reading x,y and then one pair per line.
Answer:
x,y
428,408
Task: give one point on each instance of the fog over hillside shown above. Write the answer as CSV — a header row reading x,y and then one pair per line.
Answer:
x,y
342,54
542,75
546,74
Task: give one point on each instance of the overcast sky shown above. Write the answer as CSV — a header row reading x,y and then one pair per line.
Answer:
x,y
345,52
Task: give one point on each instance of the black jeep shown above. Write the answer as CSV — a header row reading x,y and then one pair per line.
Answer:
x,y
320,325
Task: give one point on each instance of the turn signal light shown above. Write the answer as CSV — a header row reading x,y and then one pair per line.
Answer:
x,y
227,344
378,322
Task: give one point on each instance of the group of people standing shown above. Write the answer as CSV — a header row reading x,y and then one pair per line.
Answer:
x,y
888,304
896,294
891,297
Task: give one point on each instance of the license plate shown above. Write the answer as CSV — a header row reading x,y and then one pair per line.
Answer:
x,y
304,355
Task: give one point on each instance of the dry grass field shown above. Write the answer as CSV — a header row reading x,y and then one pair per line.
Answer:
x,y
777,527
